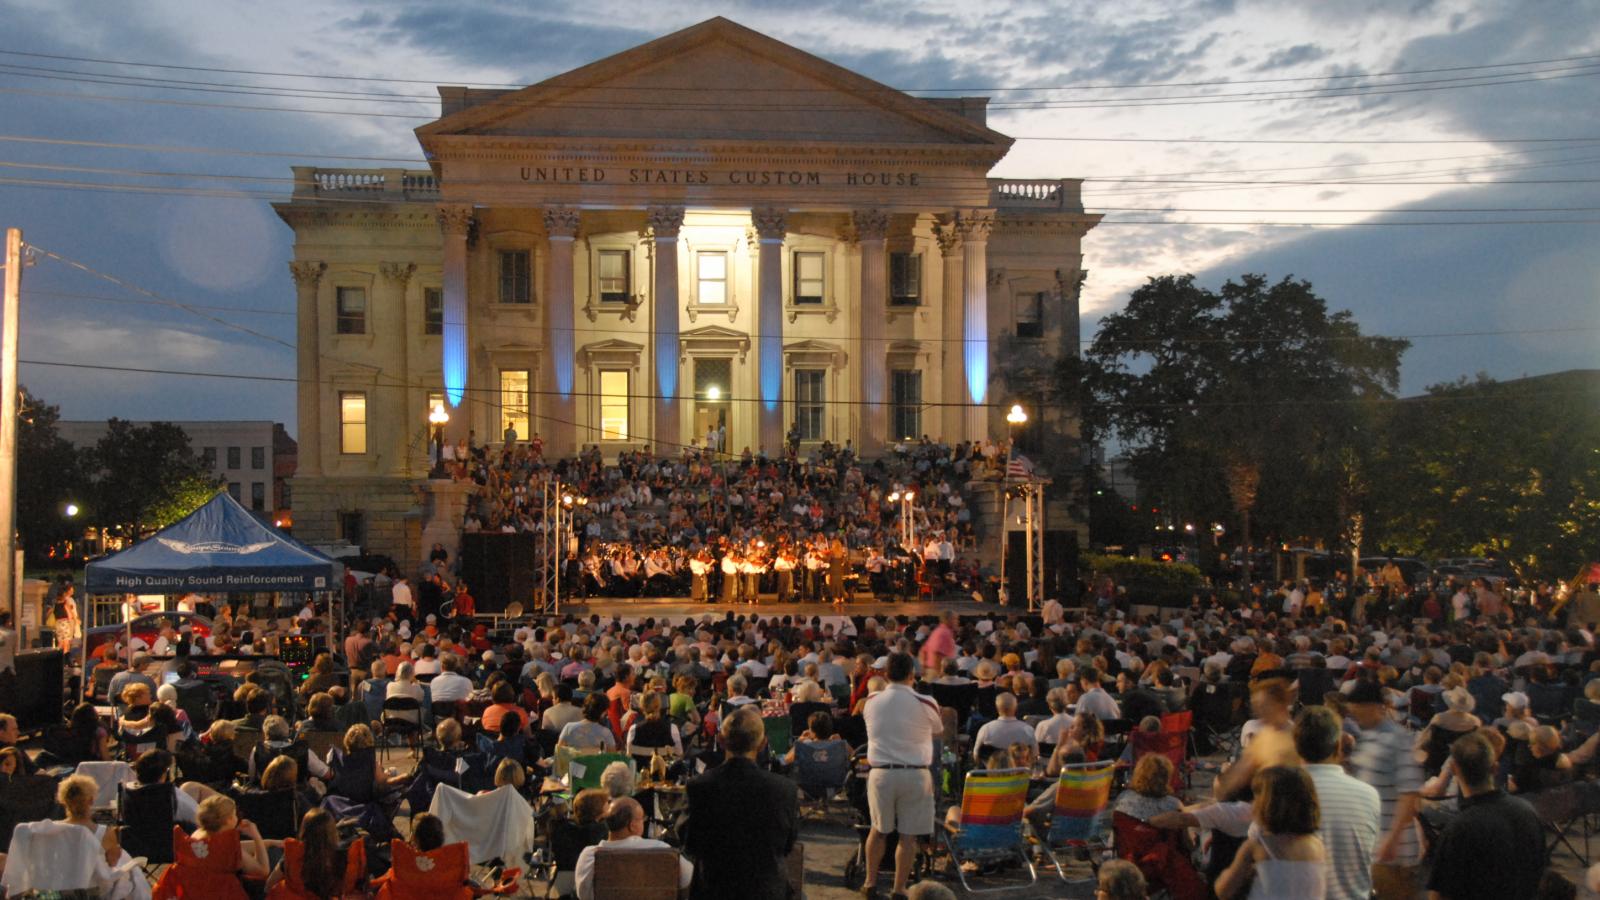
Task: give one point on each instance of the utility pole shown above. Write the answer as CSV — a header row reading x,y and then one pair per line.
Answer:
x,y
8,422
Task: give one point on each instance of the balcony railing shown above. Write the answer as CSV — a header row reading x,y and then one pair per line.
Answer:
x,y
1062,194
381,185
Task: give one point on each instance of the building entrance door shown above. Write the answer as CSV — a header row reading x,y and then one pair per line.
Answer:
x,y
711,401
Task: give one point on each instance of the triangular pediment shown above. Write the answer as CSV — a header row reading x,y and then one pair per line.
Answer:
x,y
713,82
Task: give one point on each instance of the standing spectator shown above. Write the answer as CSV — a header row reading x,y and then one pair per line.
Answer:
x,y
1350,808
1383,759
940,645
1282,857
1493,847
741,821
901,726
400,599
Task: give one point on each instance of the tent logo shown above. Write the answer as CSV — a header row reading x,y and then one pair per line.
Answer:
x,y
187,548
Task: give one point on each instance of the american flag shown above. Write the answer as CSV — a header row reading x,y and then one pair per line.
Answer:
x,y
1019,467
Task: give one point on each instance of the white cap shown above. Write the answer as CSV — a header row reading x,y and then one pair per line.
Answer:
x,y
1516,698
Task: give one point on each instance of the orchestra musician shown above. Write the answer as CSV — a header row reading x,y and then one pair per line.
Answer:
x,y
699,567
730,575
784,565
838,560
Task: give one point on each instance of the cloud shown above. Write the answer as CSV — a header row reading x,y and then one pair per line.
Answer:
x,y
1289,57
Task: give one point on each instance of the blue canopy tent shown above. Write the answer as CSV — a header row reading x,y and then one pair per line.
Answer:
x,y
220,548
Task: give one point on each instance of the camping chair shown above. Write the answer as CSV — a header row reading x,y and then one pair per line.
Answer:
x,y
1077,817
145,818
585,770
636,874
1585,717
820,769
1172,745
205,868
274,812
107,776
318,743
496,825
435,875
24,798
1182,724
1160,856
990,824
401,716
1561,808
799,713
244,743
1549,703
55,858
1215,727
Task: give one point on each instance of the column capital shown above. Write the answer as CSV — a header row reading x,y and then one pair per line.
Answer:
x,y
771,222
974,224
561,222
945,232
307,272
455,218
397,272
870,224
665,221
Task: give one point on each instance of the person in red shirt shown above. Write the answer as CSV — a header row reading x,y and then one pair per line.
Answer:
x,y
466,607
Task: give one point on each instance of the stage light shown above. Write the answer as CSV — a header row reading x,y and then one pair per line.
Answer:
x,y
713,393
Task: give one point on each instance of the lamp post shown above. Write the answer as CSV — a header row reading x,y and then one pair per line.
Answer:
x,y
1015,418
437,417
908,524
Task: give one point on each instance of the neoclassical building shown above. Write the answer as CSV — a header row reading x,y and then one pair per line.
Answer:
x,y
711,233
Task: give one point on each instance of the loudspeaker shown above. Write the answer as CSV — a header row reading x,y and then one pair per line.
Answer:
x,y
1060,567
499,569
33,694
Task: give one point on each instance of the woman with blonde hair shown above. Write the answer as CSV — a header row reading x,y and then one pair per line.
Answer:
x,y
1433,743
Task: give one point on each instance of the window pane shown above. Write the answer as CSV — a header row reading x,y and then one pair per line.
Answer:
x,y
810,401
258,457
713,278
258,495
614,286
233,457
1028,311
515,277
808,279
614,406
352,422
514,403
351,312
433,311
906,418
233,490
905,279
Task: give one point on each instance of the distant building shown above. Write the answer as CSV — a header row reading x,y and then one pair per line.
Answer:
x,y
254,459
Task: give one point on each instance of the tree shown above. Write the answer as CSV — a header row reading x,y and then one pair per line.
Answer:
x,y
1237,404
1501,469
49,477
146,476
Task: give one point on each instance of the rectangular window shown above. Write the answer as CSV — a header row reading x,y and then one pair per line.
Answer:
x,y
614,284
1030,314
614,406
905,279
258,495
233,490
906,417
810,402
516,277
283,495
433,310
808,278
352,422
233,457
353,528
712,276
258,457
208,457
514,403
351,314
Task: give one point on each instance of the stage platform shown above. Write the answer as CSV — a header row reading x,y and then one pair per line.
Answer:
x,y
679,608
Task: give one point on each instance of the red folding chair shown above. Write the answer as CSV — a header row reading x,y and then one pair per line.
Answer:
x,y
1172,745
1160,857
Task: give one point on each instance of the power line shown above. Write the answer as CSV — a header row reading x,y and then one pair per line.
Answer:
x,y
68,295
372,78
169,148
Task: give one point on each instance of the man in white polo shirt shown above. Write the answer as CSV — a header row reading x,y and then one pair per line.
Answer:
x,y
901,725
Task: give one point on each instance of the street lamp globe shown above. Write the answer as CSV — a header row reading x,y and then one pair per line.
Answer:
x,y
437,416
910,496
713,393
1016,416
71,510
894,497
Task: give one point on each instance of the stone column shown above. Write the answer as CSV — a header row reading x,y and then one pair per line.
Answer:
x,y
974,225
455,220
399,417
771,226
558,411
952,379
871,227
665,221
308,408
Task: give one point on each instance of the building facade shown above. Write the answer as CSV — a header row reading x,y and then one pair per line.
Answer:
x,y
712,236
254,460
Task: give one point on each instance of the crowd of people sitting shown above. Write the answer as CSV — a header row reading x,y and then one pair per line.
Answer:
x,y
1391,758
647,523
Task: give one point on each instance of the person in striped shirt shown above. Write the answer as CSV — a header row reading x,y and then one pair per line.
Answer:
x,y
1350,808
1384,760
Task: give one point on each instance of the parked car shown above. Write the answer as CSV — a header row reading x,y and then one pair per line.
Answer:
x,y
147,628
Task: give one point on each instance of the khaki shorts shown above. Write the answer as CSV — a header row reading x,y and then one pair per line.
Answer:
x,y
901,800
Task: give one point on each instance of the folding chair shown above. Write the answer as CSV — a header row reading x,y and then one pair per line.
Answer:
x,y
107,776
401,716
274,812
636,874
24,798
820,769
53,858
990,826
318,743
1078,816
1172,745
1551,704
1182,724
585,770
145,818
1160,857
435,875
292,888
496,825
1559,809
244,743
206,868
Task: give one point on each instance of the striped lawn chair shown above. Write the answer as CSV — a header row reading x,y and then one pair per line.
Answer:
x,y
990,830
1078,821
